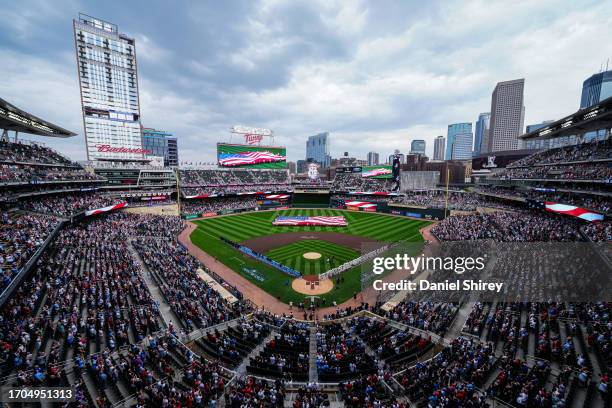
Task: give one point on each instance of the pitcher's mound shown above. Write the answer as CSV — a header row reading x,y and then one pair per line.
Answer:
x,y
312,287
312,255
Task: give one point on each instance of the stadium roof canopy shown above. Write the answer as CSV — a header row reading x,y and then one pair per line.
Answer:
x,y
15,119
590,119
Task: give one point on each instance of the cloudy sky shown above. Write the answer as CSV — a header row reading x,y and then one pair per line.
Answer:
x,y
374,74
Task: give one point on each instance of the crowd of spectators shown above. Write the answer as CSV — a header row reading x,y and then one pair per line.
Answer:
x,y
453,374
462,201
599,231
368,391
596,150
521,385
285,356
340,356
218,204
67,205
85,294
196,182
587,171
11,173
20,237
431,316
161,372
31,153
310,396
195,303
355,182
252,392
525,226
577,198
22,163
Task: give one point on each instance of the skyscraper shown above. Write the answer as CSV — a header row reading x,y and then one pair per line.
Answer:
x,y
317,148
596,88
459,141
106,62
417,147
373,158
163,144
402,158
439,148
480,135
507,115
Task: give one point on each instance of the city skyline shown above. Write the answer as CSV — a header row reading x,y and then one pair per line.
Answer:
x,y
298,85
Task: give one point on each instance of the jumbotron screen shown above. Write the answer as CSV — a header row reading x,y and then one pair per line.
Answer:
x,y
379,172
245,156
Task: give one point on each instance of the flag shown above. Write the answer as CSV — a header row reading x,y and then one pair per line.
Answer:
x,y
105,209
329,221
572,210
248,158
376,172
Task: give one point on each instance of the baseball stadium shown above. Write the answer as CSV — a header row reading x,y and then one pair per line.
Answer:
x,y
133,279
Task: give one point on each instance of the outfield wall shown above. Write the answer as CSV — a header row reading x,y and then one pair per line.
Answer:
x,y
311,200
430,214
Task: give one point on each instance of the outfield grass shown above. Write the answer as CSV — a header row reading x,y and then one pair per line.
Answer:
x,y
332,255
241,227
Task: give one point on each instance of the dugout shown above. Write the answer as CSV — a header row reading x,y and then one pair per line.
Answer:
x,y
435,214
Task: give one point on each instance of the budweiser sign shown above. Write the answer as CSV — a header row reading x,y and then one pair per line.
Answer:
x,y
111,149
252,138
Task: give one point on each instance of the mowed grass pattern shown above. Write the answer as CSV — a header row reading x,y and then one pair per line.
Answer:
x,y
241,227
292,255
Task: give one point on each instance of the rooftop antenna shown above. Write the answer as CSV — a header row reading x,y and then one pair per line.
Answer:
x,y
607,62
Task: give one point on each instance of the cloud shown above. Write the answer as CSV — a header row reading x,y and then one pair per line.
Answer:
x,y
375,75
48,90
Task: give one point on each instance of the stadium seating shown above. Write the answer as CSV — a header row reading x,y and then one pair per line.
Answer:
x,y
218,204
586,161
528,226
341,357
20,237
194,182
31,153
97,311
284,356
67,205
354,182
175,271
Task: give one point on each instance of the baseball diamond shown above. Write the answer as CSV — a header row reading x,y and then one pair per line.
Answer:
x,y
288,244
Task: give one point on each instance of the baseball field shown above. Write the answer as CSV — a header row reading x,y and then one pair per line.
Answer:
x,y
311,250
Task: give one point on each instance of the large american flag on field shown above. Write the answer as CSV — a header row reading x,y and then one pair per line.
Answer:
x,y
330,221
248,158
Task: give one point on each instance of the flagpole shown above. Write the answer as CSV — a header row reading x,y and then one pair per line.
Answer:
x,y
446,198
178,191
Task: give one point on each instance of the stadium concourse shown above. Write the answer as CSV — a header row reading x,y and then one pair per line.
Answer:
x,y
126,311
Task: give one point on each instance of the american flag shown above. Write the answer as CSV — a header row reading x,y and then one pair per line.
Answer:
x,y
572,210
246,158
333,221
376,172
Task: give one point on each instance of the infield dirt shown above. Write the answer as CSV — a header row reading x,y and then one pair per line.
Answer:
x,y
268,242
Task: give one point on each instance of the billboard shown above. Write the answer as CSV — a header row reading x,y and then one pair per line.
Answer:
x,y
245,156
379,172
